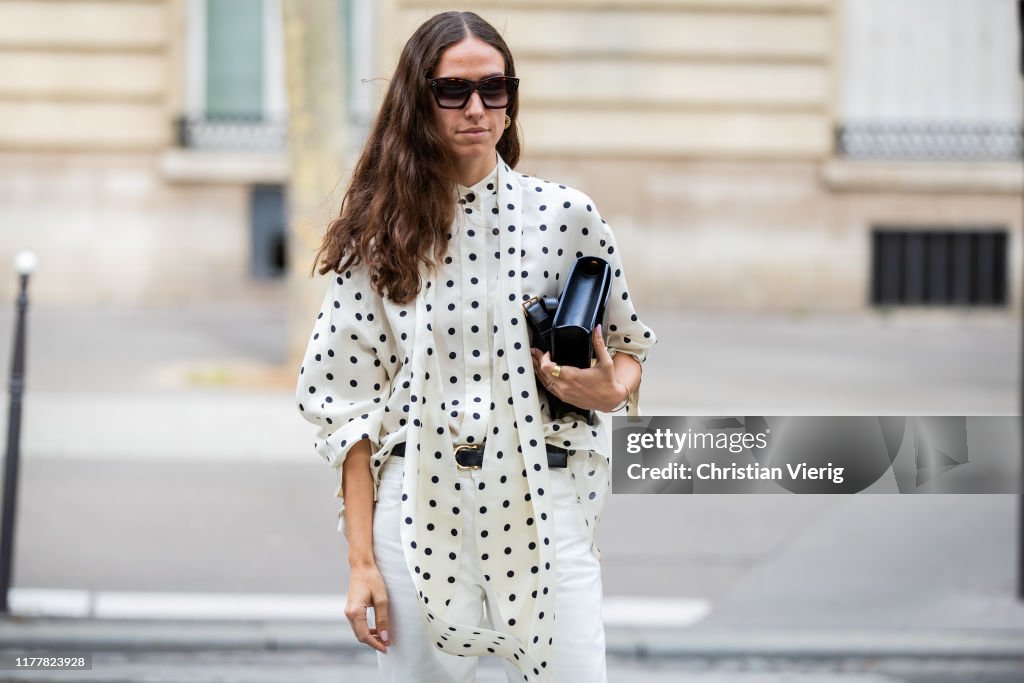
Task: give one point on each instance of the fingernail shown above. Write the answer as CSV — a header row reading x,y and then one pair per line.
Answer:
x,y
384,636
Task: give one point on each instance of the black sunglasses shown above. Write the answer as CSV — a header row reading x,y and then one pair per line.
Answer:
x,y
496,92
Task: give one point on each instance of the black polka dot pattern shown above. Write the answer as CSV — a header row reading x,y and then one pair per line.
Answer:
x,y
454,366
464,287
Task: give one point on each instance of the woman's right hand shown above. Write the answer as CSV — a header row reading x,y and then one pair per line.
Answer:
x,y
366,589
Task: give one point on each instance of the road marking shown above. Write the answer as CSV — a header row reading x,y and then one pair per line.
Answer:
x,y
53,602
622,610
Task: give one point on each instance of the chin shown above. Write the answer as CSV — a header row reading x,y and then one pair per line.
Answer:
x,y
476,149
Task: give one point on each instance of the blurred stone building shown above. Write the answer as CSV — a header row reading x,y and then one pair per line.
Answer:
x,y
750,154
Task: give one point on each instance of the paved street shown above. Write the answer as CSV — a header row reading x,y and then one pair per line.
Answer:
x,y
162,453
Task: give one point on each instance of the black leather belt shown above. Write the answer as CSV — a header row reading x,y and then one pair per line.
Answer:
x,y
471,457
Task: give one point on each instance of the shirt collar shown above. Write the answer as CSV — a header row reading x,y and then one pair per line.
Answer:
x,y
488,185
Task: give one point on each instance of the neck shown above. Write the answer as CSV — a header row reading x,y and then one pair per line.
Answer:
x,y
472,171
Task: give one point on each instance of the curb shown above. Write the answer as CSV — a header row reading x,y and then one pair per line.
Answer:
x,y
46,633
827,643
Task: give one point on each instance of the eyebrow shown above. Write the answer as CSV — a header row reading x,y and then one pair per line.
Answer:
x,y
490,75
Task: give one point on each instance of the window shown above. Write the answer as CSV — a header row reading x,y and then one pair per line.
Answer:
x,y
267,218
235,85
931,80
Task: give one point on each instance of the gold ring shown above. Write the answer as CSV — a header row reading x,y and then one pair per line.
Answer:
x,y
556,371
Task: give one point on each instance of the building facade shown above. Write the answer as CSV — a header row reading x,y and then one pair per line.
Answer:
x,y
800,155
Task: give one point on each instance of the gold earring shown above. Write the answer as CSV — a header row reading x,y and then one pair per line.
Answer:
x,y
508,120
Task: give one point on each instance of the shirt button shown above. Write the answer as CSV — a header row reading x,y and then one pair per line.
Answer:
x,y
494,231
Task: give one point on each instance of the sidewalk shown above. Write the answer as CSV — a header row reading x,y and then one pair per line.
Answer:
x,y
344,666
926,362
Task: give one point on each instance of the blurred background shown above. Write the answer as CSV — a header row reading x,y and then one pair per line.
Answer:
x,y
819,204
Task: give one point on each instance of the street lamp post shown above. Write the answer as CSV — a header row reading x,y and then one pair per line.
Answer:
x,y
1020,497
24,264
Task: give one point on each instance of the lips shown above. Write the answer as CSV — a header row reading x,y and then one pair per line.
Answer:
x,y
474,130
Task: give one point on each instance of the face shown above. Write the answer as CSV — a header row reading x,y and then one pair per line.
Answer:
x,y
472,132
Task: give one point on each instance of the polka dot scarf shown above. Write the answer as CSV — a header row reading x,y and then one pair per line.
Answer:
x,y
518,563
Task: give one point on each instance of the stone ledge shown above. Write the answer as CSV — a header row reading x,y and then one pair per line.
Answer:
x,y
192,166
842,175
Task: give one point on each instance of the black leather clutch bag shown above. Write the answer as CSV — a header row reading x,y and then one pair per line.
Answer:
x,y
565,326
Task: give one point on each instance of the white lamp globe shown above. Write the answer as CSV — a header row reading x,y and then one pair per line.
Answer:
x,y
25,262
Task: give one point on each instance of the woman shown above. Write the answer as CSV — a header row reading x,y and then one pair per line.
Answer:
x,y
459,490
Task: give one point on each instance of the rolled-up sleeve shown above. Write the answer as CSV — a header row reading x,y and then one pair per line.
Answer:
x,y
626,332
343,385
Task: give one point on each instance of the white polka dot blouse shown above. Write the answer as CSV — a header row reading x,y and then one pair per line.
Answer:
x,y
453,366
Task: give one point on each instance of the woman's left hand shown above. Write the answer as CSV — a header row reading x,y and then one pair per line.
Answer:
x,y
588,388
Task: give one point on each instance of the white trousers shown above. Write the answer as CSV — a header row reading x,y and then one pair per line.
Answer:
x,y
579,647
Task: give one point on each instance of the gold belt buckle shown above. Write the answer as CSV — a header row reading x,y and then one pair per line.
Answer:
x,y
458,464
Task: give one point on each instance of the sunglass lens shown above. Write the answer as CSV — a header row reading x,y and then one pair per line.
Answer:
x,y
451,93
495,92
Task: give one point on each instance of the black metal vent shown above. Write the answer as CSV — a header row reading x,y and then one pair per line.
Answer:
x,y
923,266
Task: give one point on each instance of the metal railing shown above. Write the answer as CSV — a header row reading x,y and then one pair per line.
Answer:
x,y
234,133
931,141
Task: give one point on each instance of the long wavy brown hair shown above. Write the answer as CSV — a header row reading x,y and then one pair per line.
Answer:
x,y
400,203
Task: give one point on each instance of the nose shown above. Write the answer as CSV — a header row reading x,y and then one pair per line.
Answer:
x,y
475,106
